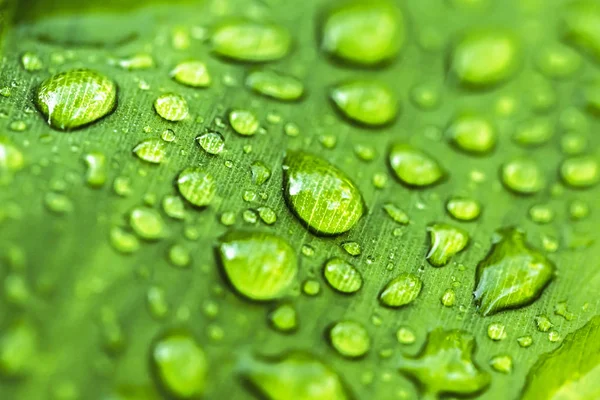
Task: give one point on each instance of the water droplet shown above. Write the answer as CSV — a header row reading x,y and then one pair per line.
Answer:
x,y
147,223
311,287
342,276
267,215
562,310
173,206
445,365
245,40
157,302
196,186
371,103
580,171
350,339
192,73
352,248
122,241
328,141
558,61
320,195
299,376
554,336
543,323
179,256
463,209
284,318
260,266
243,122
31,62
426,96
76,98
485,58
446,241
260,172
580,26
502,363
122,186
250,216
533,132
363,33
414,167
18,345
365,152
171,107
525,341
11,159
396,213
291,129
405,335
228,218
448,298
307,250
179,365
153,151
136,62
472,133
18,126
541,213
496,331
512,275
96,169
275,85
211,142
579,209
523,176
401,290
58,203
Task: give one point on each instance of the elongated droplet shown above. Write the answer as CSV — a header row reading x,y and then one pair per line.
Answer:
x,y
260,266
342,276
245,40
211,142
367,102
414,167
18,347
580,171
484,58
320,195
512,275
96,169
446,241
445,365
402,290
298,376
275,85
363,33
76,98
179,365
196,186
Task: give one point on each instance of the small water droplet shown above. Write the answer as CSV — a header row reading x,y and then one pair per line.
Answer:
x,y
580,171
523,176
402,290
192,73
472,133
350,339
342,276
243,122
414,167
196,186
405,335
153,151
396,213
211,142
147,223
371,103
275,85
171,107
284,318
463,209
496,331
502,363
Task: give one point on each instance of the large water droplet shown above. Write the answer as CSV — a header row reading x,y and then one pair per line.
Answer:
x,y
580,171
260,266
534,132
76,98
402,290
275,85
196,186
445,365
350,339
446,241
523,176
320,195
342,276
363,33
371,103
171,107
298,376
484,58
512,275
414,167
179,365
245,40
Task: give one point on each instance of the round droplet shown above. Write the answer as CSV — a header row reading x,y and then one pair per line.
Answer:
x,y
320,195
426,96
147,223
496,331
350,339
448,298
245,40
179,365
122,241
76,98
363,33
472,133
484,58
405,335
211,142
523,176
179,256
31,62
243,122
171,107
525,341
196,186
342,276
151,150
267,215
414,167
541,213
402,290
284,318
463,209
367,102
260,266
311,287
260,172
96,169
446,241
275,85
558,61
191,73
580,171
502,363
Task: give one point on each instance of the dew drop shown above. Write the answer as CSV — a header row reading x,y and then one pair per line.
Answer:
x,y
192,73
153,151
580,171
472,133
396,213
196,186
171,107
211,142
147,223
414,167
350,339
369,103
275,85
284,318
502,363
523,176
496,331
243,122
446,241
463,209
342,276
402,290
